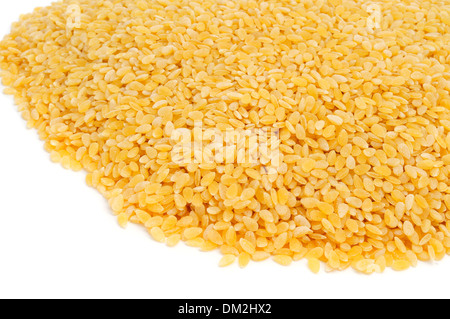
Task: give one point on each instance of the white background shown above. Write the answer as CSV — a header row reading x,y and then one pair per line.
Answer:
x,y
58,239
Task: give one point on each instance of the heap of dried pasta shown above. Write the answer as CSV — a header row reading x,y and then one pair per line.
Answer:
x,y
355,93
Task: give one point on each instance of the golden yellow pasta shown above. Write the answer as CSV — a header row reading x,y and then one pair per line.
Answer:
x,y
282,129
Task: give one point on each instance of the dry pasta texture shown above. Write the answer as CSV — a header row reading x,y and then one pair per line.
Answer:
x,y
356,93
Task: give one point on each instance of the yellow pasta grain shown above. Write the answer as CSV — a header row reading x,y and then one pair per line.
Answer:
x,y
243,259
314,265
315,253
283,260
122,218
247,246
173,240
227,260
191,233
400,265
157,234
